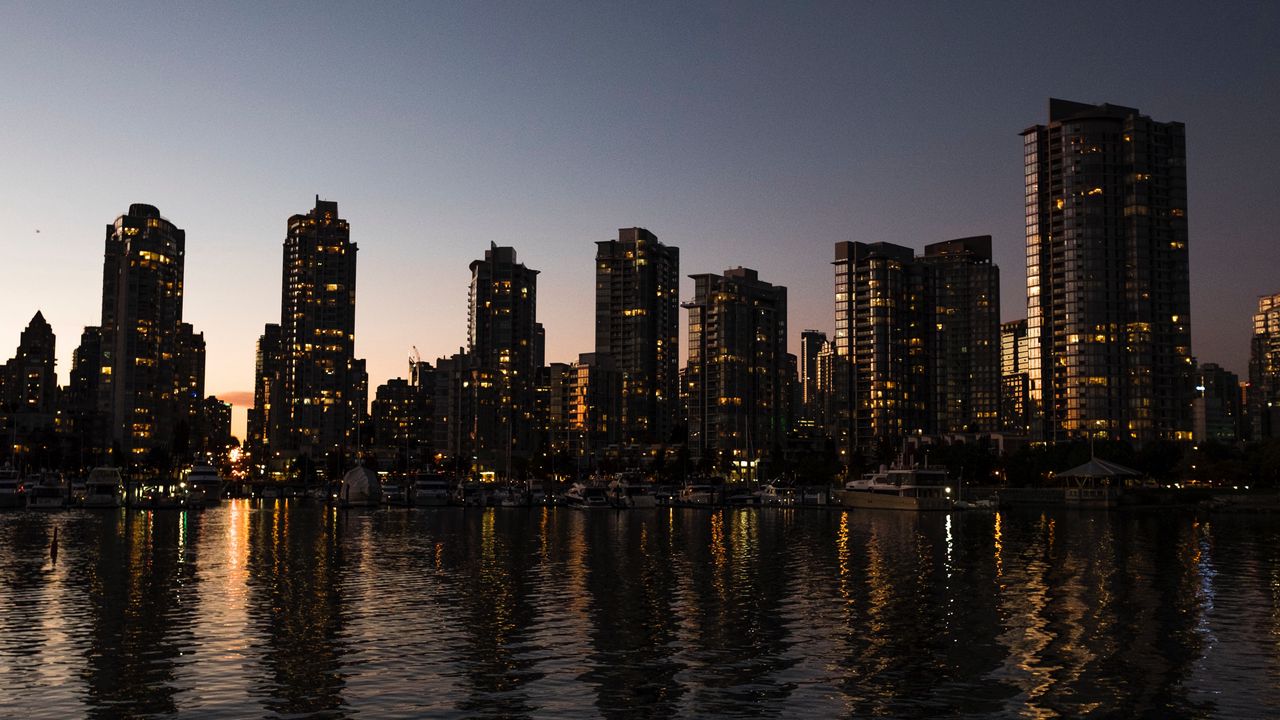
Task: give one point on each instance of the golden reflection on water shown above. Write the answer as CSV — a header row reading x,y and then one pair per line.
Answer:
x,y
997,535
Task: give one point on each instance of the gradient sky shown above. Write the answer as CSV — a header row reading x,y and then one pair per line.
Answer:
x,y
746,134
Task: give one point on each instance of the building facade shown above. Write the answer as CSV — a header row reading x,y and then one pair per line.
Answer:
x,y
1217,413
142,293
1014,399
637,323
1264,370
736,377
321,382
1108,295
504,339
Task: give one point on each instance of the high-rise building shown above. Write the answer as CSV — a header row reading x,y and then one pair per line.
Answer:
x,y
141,313
1264,370
503,338
264,418
916,342
637,322
1108,295
88,421
737,370
595,400
321,381
402,415
29,382
962,331
811,405
1014,401
188,395
450,410
1216,410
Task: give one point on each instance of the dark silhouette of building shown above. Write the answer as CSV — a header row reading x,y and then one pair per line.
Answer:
x,y
637,323
1216,410
142,294
1264,370
321,383
504,340
812,410
29,396
916,343
1014,400
264,418
737,372
1108,296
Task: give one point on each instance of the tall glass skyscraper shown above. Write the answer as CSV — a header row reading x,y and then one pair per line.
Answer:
x,y
1108,295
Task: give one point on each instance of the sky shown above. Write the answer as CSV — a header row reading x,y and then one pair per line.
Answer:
x,y
746,134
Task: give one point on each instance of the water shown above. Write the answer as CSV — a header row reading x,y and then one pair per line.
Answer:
x,y
295,610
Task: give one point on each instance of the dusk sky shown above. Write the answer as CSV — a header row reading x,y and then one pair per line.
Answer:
x,y
745,134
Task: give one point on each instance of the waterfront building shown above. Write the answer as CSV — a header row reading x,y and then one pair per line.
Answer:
x,y
1108,296
504,338
217,429
450,410
637,323
1216,410
810,413
916,342
595,402
736,376
88,423
1014,400
265,422
322,384
402,415
142,293
188,396
29,389
1264,370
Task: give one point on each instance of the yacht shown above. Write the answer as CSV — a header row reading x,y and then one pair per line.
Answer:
x,y
899,489
12,493
770,495
587,497
360,488
104,488
469,495
630,494
46,492
204,486
697,494
431,491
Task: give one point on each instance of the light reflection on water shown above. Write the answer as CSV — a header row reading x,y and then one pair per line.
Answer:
x,y
296,610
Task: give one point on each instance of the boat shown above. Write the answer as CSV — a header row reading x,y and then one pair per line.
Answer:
x,y
587,497
46,492
398,493
624,493
430,491
104,488
360,488
742,497
469,495
696,495
163,496
12,493
899,489
204,486
770,495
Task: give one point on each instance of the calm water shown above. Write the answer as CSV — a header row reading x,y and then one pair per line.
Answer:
x,y
296,610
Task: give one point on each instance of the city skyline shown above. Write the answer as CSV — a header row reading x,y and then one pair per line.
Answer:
x,y
767,190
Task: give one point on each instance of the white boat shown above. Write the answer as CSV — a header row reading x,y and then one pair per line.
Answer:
x,y
46,492
162,496
204,486
696,494
770,495
899,489
12,494
431,491
360,488
587,497
104,488
631,495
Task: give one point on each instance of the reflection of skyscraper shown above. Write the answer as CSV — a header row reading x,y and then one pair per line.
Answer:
x,y
503,336
1108,295
141,313
737,371
321,378
637,321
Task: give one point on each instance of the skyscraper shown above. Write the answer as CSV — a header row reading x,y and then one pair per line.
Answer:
x,y
503,338
811,406
1264,369
737,372
28,382
1108,296
637,323
917,342
321,379
141,314
264,418
1014,401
